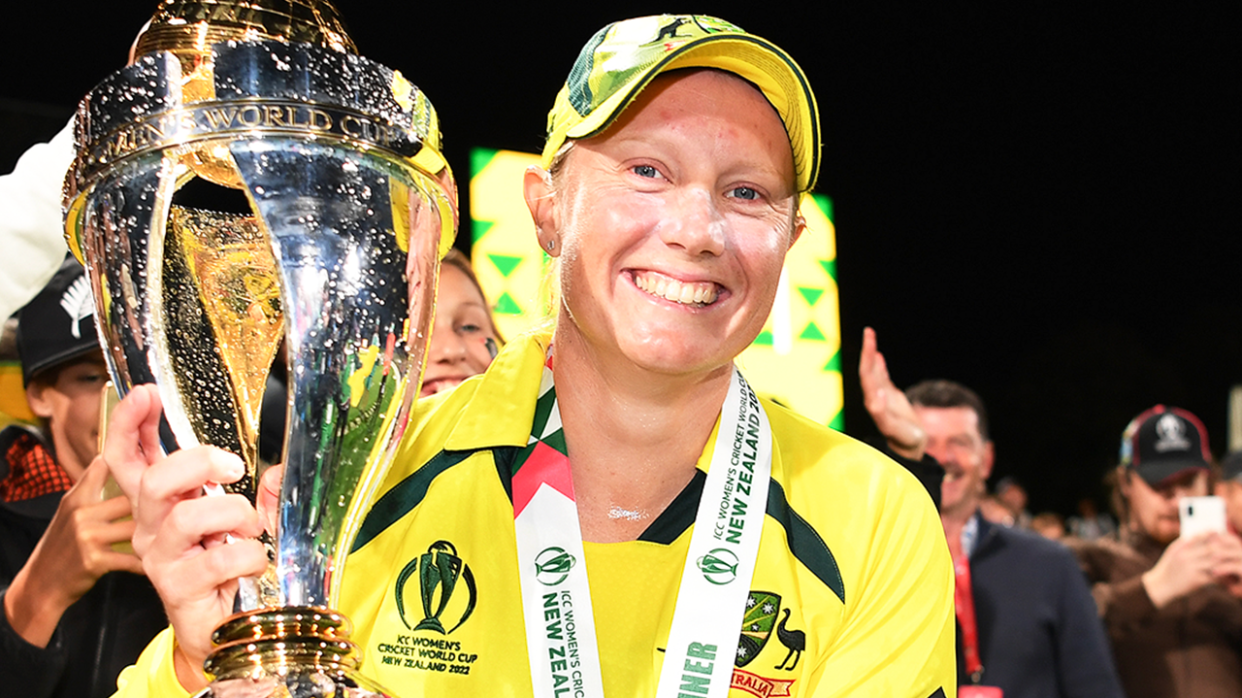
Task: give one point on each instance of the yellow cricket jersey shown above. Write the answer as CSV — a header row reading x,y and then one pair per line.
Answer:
x,y
852,593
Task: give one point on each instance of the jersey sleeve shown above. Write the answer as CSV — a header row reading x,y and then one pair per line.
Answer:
x,y
899,634
154,674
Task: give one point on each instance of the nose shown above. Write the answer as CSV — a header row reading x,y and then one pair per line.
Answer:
x,y
940,453
694,224
446,346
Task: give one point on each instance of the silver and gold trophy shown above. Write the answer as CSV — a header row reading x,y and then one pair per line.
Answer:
x,y
249,183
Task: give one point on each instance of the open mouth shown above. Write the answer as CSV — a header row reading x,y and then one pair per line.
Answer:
x,y
952,474
436,385
692,293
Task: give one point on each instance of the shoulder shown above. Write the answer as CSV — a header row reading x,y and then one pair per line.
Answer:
x,y
1026,541
1100,559
1023,555
872,515
824,463
489,410
873,525
1100,547
12,435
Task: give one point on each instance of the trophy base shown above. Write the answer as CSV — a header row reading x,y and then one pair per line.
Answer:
x,y
292,652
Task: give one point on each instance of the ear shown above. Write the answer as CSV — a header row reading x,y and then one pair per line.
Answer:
x,y
36,397
799,225
1123,482
541,200
989,457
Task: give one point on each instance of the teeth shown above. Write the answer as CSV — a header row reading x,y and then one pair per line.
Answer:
x,y
664,287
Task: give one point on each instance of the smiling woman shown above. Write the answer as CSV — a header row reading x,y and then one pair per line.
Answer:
x,y
464,339
673,242
612,494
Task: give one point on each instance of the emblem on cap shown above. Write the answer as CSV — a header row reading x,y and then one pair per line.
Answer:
x,y
78,303
1170,434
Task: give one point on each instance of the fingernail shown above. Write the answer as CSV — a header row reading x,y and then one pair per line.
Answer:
x,y
234,468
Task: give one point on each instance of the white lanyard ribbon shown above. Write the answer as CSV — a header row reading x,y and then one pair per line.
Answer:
x,y
556,596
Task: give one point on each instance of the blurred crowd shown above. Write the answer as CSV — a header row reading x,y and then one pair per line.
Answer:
x,y
1094,605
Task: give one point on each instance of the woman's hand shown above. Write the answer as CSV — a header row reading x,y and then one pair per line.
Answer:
x,y
268,498
74,552
179,533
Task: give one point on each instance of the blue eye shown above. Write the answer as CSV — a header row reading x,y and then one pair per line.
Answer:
x,y
746,193
645,171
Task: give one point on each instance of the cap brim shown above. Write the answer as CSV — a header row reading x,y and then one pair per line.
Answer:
x,y
756,60
1165,472
64,356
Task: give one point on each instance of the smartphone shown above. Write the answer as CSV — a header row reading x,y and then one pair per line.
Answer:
x,y
1201,515
108,402
111,489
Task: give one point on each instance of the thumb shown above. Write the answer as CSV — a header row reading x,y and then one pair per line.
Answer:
x,y
92,481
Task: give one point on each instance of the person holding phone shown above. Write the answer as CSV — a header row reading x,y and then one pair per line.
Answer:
x,y
1170,602
75,610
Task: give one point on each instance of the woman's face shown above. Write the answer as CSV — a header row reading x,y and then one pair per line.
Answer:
x,y
458,347
673,225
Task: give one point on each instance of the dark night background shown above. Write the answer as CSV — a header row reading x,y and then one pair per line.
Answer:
x,y
1038,202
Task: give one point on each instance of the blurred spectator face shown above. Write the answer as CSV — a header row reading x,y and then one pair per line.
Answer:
x,y
1231,492
1153,511
1087,508
458,347
1014,498
953,439
69,397
995,511
1049,526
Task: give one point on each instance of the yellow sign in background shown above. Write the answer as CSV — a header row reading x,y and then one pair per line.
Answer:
x,y
795,359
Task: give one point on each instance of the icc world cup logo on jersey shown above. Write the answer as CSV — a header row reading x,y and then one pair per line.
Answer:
x,y
439,571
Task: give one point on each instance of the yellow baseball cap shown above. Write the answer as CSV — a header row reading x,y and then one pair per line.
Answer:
x,y
623,57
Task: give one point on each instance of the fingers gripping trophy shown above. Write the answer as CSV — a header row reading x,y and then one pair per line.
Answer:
x,y
250,182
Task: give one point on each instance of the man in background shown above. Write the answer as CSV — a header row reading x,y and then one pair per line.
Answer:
x,y
1170,603
1026,620
75,610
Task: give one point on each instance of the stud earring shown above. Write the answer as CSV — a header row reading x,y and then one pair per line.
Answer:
x,y
551,245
